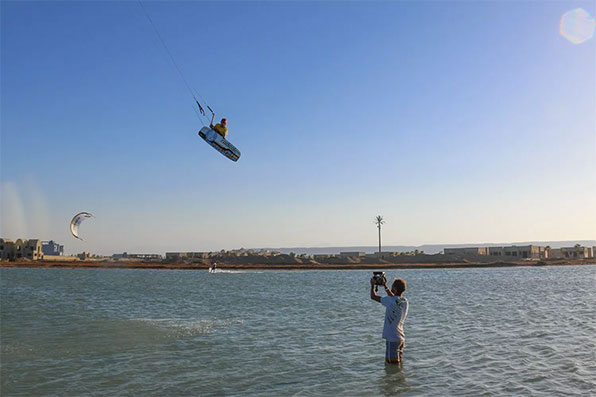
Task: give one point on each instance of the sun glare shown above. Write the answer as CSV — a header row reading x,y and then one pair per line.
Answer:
x,y
577,26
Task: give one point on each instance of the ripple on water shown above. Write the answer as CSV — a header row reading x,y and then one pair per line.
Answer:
x,y
469,332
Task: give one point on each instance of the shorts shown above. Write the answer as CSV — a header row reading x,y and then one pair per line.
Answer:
x,y
394,351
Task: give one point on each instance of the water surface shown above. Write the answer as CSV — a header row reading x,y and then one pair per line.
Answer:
x,y
503,331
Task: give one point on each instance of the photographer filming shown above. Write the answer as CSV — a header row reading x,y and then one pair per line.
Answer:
x,y
396,310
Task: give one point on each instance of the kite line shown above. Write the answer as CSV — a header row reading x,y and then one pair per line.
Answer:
x,y
190,89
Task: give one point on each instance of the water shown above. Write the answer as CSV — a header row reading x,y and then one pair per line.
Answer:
x,y
135,332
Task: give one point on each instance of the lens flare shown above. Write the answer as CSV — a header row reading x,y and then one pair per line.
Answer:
x,y
577,26
13,223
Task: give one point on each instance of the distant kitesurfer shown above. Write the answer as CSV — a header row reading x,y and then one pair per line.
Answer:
x,y
395,315
221,127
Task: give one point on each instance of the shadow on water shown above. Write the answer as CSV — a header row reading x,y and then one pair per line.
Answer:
x,y
392,381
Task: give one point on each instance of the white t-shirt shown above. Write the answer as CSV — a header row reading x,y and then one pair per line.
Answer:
x,y
395,315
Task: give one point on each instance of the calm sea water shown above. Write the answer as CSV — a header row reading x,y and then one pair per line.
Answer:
x,y
134,332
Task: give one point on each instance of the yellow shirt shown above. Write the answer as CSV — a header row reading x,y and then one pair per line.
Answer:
x,y
221,129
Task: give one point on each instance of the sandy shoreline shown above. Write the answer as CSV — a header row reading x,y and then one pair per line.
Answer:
x,y
283,266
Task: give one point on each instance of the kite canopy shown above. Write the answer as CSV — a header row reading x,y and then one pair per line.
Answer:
x,y
76,221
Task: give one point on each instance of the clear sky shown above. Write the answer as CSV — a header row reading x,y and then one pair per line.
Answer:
x,y
458,121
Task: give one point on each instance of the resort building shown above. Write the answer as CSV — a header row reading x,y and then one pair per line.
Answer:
x,y
522,252
187,255
220,254
20,249
126,255
571,252
52,248
512,252
175,255
383,255
354,254
145,256
466,251
322,257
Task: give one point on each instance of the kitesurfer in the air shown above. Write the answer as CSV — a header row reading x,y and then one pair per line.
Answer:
x,y
221,127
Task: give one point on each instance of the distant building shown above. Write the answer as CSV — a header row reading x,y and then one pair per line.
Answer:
x,y
522,252
466,251
126,255
323,257
510,252
571,252
20,249
31,249
145,256
243,252
52,248
197,255
383,255
266,252
352,254
187,255
6,248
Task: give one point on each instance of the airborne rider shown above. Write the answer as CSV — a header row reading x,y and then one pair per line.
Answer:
x,y
221,127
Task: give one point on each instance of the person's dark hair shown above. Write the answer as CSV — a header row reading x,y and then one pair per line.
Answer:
x,y
399,284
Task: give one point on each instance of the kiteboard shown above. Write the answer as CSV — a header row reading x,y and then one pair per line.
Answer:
x,y
219,143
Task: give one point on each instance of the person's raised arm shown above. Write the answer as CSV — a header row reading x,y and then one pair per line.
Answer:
x,y
373,293
387,290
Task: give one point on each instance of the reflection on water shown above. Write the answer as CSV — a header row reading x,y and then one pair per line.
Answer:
x,y
393,380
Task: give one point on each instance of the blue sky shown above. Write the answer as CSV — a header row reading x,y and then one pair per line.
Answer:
x,y
457,121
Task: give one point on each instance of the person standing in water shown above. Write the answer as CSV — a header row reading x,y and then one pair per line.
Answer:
x,y
396,310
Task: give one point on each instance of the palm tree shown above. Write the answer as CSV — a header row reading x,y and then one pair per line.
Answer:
x,y
379,221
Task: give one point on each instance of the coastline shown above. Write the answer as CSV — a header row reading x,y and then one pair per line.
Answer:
x,y
155,265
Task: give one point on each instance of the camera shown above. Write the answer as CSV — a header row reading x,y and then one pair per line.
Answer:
x,y
379,278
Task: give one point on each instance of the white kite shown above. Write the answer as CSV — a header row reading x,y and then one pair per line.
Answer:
x,y
76,221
